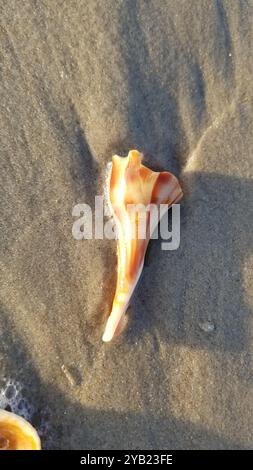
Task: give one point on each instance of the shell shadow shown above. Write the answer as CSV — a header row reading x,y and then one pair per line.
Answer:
x,y
202,281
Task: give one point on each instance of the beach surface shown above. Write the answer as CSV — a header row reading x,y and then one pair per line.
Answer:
x,y
80,81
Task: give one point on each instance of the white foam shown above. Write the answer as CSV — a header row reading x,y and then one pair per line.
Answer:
x,y
12,398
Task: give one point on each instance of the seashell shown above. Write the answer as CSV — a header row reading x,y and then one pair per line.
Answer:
x,y
16,433
133,185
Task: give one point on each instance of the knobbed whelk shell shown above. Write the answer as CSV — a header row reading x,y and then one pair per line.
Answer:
x,y
132,185
16,433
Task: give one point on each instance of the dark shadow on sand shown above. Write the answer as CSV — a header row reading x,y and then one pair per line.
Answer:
x,y
203,279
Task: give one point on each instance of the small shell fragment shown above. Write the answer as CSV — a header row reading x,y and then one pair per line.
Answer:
x,y
207,326
68,375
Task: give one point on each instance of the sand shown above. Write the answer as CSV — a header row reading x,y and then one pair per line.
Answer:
x,y
81,80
